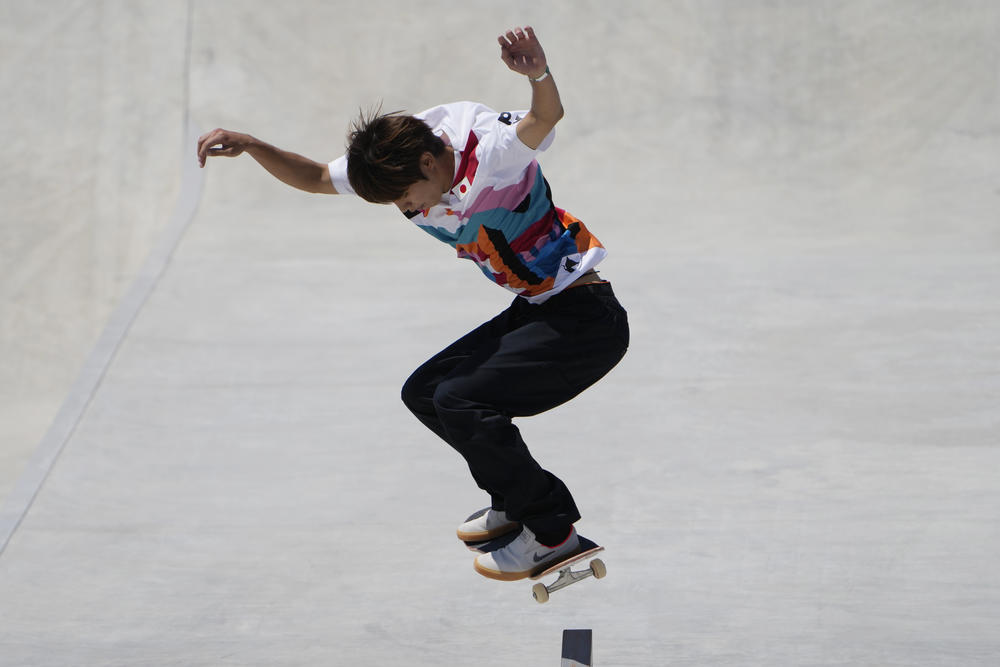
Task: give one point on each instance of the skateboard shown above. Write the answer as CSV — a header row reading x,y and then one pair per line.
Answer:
x,y
567,575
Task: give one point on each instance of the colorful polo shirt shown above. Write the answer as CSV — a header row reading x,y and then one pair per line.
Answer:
x,y
499,212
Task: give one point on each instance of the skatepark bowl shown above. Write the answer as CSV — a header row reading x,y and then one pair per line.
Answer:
x,y
203,455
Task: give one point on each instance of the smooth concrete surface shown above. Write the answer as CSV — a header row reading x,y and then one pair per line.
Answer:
x,y
796,464
94,97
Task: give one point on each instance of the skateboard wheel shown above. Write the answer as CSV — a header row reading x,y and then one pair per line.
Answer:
x,y
540,592
597,567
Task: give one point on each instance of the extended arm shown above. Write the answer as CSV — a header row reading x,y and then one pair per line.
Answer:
x,y
522,53
291,168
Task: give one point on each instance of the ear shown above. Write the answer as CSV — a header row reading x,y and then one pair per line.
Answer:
x,y
427,164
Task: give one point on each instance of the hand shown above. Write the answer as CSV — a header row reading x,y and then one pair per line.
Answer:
x,y
221,142
521,52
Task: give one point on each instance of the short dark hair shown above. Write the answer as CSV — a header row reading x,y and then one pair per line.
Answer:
x,y
383,154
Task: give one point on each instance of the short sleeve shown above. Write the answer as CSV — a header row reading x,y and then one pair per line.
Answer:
x,y
503,152
338,176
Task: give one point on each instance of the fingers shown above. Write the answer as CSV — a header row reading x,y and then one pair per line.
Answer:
x,y
205,143
520,50
217,142
518,36
505,50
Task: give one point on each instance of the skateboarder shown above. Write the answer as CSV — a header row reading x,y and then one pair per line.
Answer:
x,y
468,175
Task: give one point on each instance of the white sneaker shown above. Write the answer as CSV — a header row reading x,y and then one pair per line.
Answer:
x,y
486,524
524,556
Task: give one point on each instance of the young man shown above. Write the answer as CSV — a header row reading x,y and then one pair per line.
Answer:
x,y
468,176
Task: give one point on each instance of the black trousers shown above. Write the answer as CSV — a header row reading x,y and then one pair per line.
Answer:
x,y
528,359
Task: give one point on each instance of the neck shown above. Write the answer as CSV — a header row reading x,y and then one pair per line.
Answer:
x,y
447,163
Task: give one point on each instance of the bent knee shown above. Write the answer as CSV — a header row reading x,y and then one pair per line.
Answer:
x,y
447,396
416,394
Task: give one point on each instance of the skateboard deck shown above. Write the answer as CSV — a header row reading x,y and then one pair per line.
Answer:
x,y
567,575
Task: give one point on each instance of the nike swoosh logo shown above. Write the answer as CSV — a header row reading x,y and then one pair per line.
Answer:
x,y
559,558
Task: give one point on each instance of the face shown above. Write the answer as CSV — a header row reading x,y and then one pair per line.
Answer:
x,y
420,196
425,193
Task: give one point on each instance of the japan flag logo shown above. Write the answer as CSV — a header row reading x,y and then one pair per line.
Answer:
x,y
462,188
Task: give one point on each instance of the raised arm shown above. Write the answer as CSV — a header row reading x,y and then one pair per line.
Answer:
x,y
520,50
291,168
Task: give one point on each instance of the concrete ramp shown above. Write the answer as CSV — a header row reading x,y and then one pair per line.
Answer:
x,y
795,464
